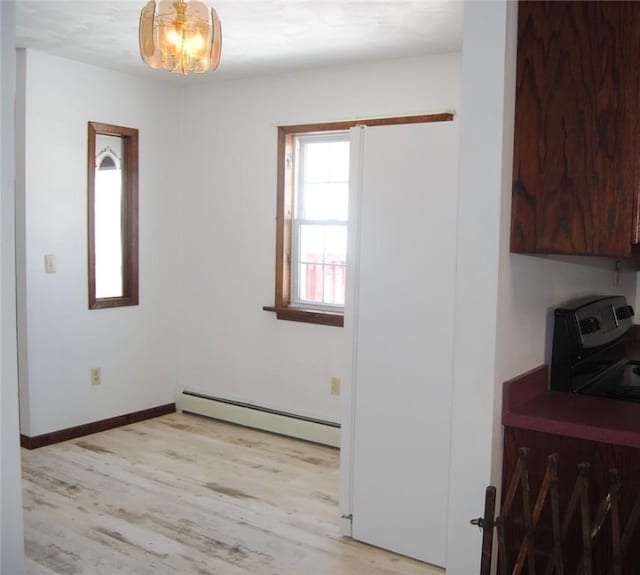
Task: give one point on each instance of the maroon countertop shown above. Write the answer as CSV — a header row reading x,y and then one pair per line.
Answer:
x,y
527,403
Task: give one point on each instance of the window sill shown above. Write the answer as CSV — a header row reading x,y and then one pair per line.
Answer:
x,y
109,302
307,316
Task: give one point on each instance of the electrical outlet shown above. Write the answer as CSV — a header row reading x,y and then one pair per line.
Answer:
x,y
96,378
335,386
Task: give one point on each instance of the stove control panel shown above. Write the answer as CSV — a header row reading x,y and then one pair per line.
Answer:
x,y
624,312
588,341
589,325
600,320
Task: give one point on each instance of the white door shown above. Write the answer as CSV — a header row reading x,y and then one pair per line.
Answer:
x,y
399,322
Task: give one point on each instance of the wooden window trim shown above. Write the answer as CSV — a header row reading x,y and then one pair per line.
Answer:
x,y
129,136
284,212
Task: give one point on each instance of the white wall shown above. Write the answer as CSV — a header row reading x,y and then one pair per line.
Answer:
x,y
231,347
11,533
136,347
502,299
530,287
481,153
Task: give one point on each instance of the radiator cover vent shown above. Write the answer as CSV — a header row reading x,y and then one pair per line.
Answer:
x,y
257,417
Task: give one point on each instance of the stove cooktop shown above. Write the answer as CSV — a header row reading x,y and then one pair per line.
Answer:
x,y
621,382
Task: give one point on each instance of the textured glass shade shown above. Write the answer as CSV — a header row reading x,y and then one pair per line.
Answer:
x,y
180,36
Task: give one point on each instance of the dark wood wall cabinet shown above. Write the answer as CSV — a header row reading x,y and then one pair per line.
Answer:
x,y
576,171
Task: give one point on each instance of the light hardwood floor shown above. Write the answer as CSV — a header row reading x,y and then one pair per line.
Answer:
x,y
183,495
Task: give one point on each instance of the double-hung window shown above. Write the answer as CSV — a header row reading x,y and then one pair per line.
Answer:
x,y
311,217
312,210
319,224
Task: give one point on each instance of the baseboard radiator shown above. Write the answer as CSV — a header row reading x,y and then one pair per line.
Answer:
x,y
249,415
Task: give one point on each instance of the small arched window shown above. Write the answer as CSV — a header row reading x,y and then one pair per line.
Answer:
x,y
113,216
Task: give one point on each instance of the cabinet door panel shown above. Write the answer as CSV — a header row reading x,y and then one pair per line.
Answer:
x,y
575,172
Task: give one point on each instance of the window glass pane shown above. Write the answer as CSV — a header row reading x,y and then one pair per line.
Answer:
x,y
317,161
335,264
310,278
334,284
326,161
108,233
323,255
339,168
108,217
312,244
335,245
326,201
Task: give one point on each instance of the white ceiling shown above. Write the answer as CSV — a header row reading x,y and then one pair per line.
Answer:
x,y
258,36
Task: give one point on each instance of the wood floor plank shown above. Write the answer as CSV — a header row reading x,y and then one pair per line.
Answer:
x,y
185,495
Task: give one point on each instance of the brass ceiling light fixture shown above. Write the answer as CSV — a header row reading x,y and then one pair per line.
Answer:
x,y
180,36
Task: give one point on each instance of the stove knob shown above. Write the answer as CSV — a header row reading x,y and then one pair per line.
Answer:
x,y
589,325
624,312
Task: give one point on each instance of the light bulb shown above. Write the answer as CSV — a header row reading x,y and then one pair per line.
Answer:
x,y
197,46
169,39
173,37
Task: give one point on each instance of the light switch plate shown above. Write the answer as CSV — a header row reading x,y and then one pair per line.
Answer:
x,y
50,264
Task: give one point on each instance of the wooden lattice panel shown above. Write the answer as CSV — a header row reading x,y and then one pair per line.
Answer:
x,y
543,549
